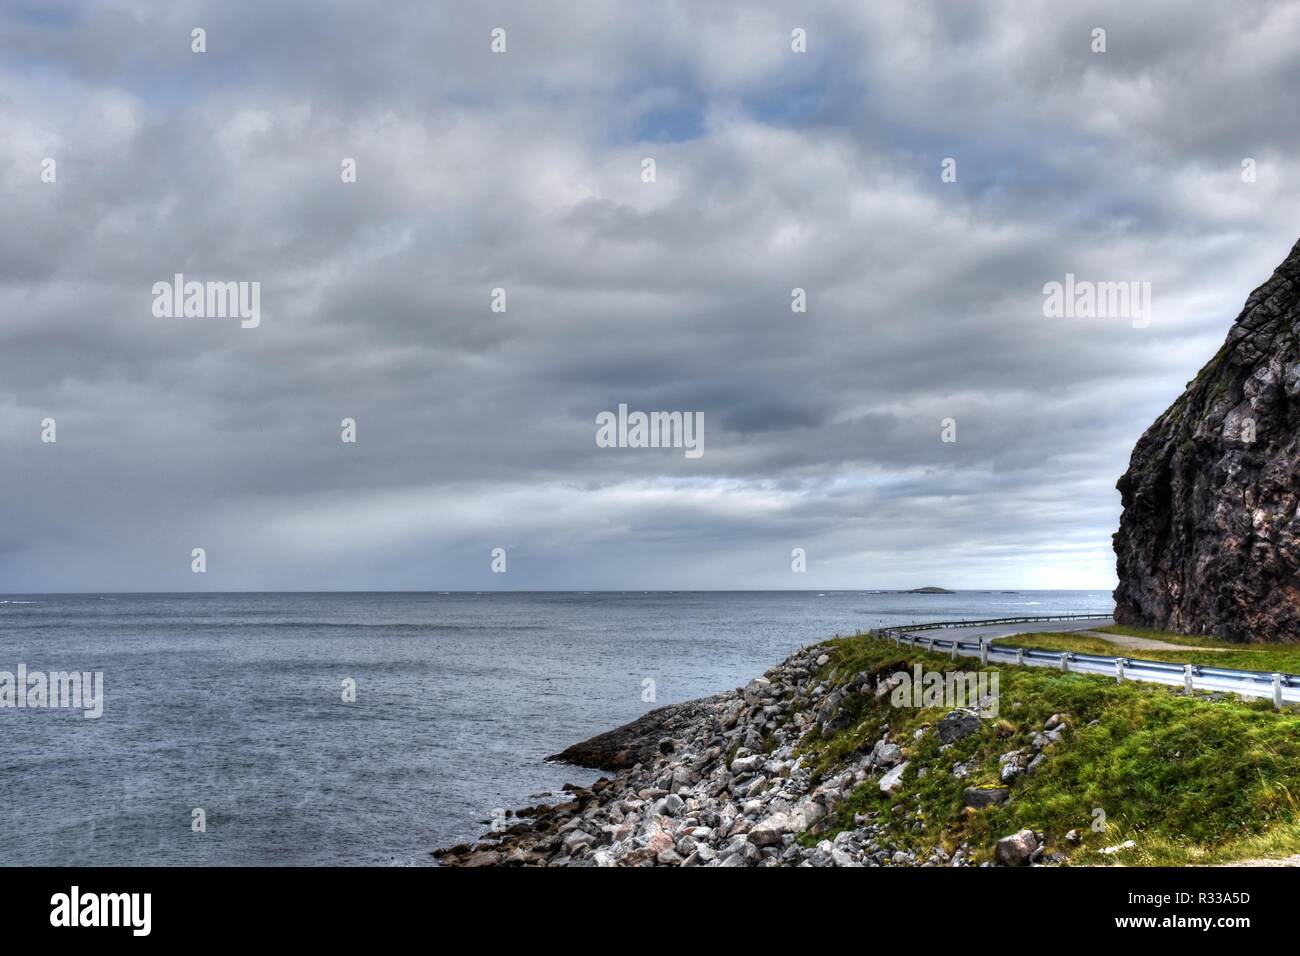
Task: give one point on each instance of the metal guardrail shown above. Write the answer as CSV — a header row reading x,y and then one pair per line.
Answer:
x,y
1280,687
936,625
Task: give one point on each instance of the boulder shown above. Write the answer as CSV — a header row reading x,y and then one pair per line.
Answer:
x,y
886,754
670,806
958,724
747,764
1017,849
979,798
578,838
741,854
771,832
892,782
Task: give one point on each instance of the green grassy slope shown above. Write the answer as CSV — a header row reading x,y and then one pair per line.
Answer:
x,y
1190,780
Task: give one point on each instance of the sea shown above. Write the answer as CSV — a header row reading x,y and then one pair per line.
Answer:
x,y
305,729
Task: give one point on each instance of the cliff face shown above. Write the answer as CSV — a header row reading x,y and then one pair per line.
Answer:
x,y
1209,539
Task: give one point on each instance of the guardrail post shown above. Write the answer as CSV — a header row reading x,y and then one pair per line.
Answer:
x,y
1277,691
1020,656
952,650
1119,670
984,653
1065,663
1187,679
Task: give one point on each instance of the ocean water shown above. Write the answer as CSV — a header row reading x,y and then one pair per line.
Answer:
x,y
233,703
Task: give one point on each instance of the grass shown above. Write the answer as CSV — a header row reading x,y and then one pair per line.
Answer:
x,y
1169,637
1200,650
1190,780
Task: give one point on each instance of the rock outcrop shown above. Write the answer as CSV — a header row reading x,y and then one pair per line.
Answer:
x,y
1209,539
638,742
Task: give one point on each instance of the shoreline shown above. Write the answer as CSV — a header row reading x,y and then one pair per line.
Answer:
x,y
714,782
830,759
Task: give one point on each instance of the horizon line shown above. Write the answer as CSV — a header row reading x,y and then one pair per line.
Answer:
x,y
444,591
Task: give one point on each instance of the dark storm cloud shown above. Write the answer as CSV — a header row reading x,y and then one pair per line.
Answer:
x,y
476,429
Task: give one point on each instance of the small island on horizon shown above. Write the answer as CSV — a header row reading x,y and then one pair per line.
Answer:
x,y
929,590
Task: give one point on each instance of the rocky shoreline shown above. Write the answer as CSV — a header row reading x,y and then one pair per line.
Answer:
x,y
720,782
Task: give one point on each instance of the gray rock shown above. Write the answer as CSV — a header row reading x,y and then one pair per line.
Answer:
x,y
578,838
746,765
670,805
892,782
979,798
958,724
772,831
808,815
886,754
1017,849
741,854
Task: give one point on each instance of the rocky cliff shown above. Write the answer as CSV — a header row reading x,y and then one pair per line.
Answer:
x,y
1209,539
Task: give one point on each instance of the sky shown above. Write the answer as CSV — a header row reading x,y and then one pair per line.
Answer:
x,y
524,171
